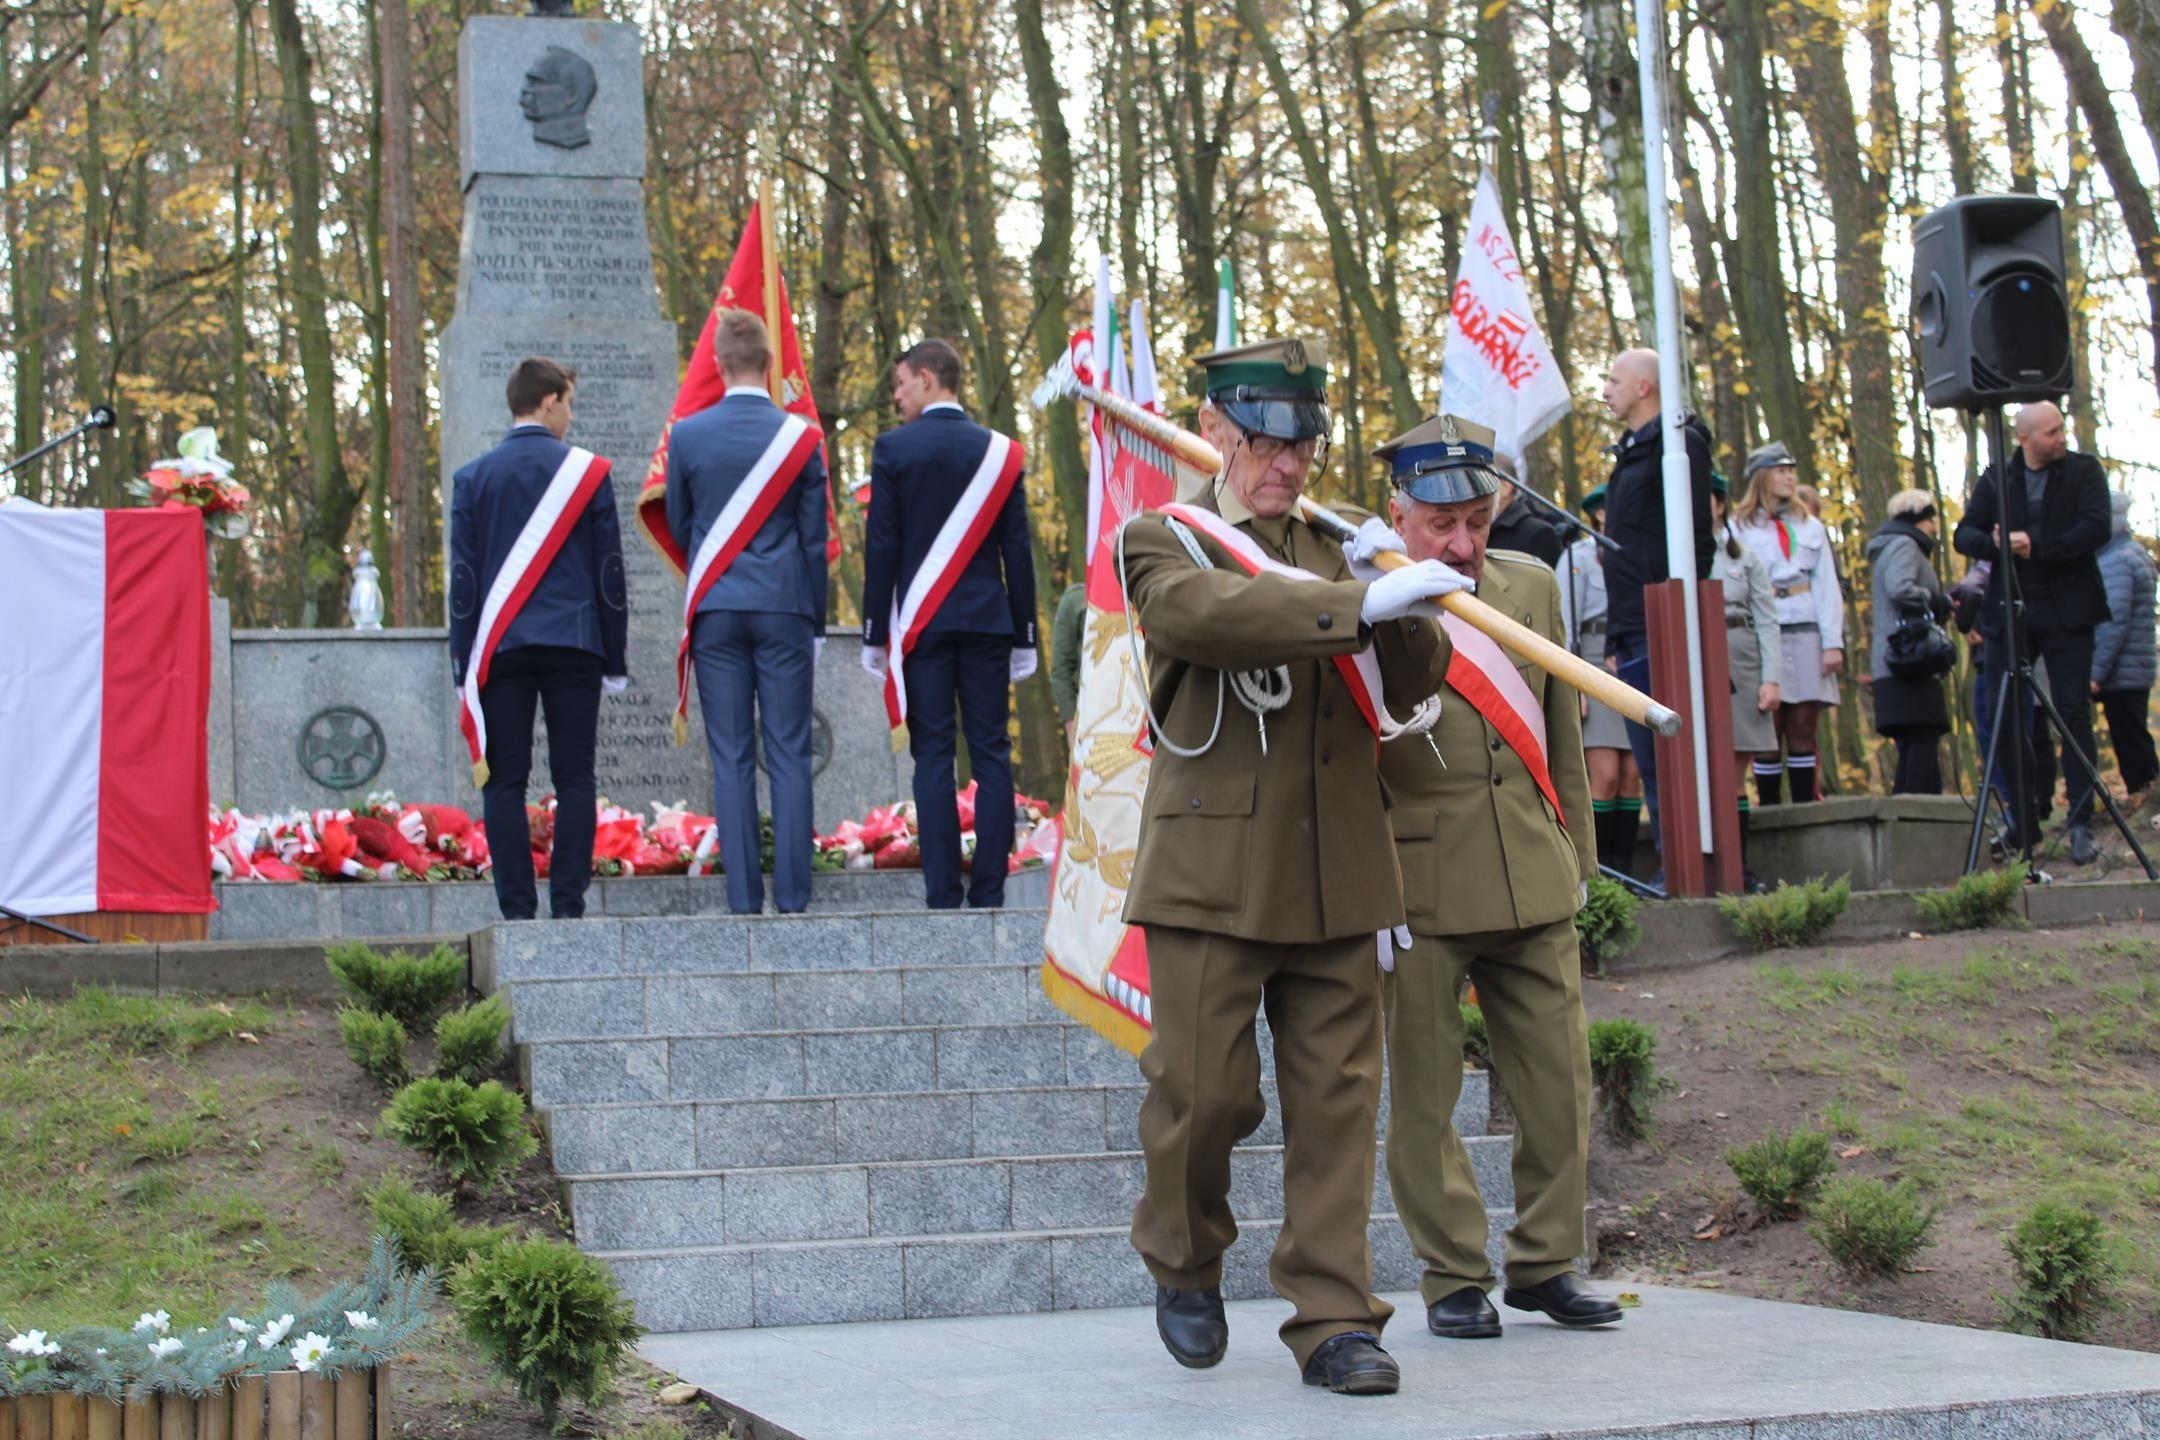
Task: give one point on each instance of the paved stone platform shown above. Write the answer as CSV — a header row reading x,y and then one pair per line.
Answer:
x,y
1691,1363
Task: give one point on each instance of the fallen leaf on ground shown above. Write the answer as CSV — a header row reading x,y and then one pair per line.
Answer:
x,y
1628,1300
1720,1115
249,1036
680,1393
1852,1152
223,1009
1713,1232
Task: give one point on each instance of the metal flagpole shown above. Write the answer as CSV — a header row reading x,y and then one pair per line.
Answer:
x,y
769,248
1679,498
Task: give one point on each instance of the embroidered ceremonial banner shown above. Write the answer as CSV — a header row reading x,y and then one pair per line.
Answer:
x,y
953,547
1496,368
703,385
575,482
1095,965
1480,671
753,502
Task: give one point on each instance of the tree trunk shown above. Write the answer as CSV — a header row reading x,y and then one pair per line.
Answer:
x,y
1350,268
2090,90
1957,118
330,494
410,546
2077,213
2138,23
1616,97
2016,97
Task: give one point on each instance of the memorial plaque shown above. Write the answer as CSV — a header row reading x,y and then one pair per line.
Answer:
x,y
555,260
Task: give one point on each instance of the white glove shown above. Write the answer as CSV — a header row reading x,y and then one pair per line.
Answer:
x,y
1582,894
1373,536
1023,664
1391,941
1401,592
614,684
873,660
817,650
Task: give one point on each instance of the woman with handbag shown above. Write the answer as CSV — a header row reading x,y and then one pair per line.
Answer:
x,y
1911,651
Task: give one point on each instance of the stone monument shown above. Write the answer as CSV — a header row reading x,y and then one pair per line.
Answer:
x,y
555,260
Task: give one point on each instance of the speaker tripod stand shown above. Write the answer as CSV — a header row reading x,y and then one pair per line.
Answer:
x,y
2016,693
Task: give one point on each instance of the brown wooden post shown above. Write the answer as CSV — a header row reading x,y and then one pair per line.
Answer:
x,y
318,1412
176,1417
70,1417
139,1420
247,1408
33,1417
352,1406
1724,859
1679,832
7,1416
213,1415
105,1420
382,1402
284,1388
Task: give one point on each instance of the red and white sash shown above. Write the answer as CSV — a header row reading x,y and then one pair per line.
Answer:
x,y
1482,674
753,502
576,481
1360,671
957,541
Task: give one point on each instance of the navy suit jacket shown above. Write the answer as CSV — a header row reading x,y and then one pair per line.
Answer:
x,y
917,475
580,601
782,568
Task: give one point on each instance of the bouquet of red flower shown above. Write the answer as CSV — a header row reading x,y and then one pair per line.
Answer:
x,y
197,479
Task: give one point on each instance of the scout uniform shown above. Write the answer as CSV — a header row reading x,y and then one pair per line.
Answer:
x,y
1494,859
1264,869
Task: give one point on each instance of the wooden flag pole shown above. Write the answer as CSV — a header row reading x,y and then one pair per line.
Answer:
x,y
769,250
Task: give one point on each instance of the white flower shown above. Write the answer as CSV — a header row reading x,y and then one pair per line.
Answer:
x,y
169,1346
274,1332
158,1321
239,1326
239,1347
361,1320
33,1343
308,1351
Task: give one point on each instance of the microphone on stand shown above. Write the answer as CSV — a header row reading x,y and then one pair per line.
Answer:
x,y
101,418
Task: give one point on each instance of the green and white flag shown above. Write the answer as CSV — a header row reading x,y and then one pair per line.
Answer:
x,y
1225,306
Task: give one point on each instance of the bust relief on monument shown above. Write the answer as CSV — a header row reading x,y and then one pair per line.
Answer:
x,y
559,89
557,9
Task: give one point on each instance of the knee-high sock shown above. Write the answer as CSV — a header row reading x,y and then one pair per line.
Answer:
x,y
1745,813
1800,769
1627,823
1769,780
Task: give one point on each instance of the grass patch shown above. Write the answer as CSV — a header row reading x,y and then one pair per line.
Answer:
x,y
1979,901
1789,916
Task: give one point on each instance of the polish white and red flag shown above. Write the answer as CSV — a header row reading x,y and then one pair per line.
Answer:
x,y
104,711
1496,368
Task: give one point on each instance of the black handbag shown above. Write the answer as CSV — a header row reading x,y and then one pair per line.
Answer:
x,y
1919,649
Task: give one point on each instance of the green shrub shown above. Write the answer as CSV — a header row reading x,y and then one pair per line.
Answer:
x,y
376,1044
468,1042
1782,1173
1979,901
475,1133
1476,1044
1605,925
1790,915
1871,1227
407,988
2059,1255
1623,1062
550,1318
428,1234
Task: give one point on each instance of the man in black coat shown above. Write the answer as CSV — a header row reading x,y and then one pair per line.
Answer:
x,y
973,614
551,632
1635,520
1520,525
2055,515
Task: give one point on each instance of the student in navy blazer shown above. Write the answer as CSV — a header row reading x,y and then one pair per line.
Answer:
x,y
977,644
755,640
564,645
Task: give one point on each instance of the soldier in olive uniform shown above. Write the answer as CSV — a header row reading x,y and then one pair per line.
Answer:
x,y
1494,839
1265,867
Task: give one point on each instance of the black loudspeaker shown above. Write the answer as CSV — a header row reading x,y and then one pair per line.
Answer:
x,y
1989,300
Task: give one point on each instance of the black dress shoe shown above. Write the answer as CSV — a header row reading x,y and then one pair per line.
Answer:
x,y
1353,1363
2082,849
1464,1315
1192,1325
1566,1299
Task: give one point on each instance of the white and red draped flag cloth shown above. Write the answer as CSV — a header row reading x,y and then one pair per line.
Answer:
x,y
104,711
1481,672
1496,368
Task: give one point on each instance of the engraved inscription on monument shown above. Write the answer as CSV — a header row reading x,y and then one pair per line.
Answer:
x,y
557,247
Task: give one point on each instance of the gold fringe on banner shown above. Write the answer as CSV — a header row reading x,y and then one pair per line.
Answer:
x,y
1092,1010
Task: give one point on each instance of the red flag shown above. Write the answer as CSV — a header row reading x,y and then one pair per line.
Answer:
x,y
703,385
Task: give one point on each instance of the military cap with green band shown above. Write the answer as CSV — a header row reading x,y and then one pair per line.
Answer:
x,y
1276,388
1444,461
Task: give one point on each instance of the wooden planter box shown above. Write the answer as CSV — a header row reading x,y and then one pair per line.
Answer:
x,y
284,1406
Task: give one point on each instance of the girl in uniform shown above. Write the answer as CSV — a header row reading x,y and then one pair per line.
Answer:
x,y
1751,646
1616,797
1795,549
